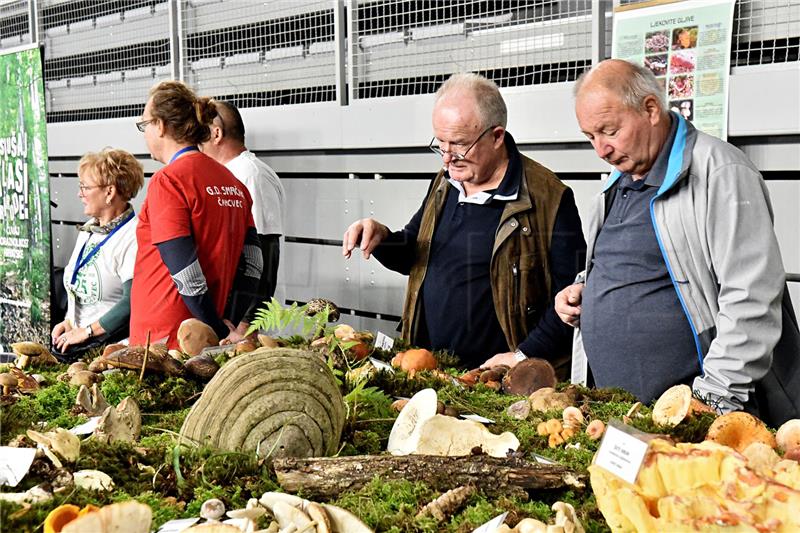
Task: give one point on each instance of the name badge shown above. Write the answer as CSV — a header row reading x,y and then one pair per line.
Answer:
x,y
622,451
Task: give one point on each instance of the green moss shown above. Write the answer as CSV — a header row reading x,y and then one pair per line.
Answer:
x,y
388,505
50,405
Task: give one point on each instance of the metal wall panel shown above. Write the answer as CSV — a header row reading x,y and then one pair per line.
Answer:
x,y
314,271
64,237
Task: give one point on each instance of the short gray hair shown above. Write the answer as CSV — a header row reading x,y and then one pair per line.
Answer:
x,y
491,106
640,84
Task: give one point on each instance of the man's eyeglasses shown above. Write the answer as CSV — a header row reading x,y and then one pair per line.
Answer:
x,y
458,156
141,125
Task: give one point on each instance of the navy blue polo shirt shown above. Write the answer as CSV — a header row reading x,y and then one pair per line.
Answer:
x,y
457,293
635,332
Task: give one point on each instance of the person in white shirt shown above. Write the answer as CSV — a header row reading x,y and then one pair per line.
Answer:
x,y
227,146
99,274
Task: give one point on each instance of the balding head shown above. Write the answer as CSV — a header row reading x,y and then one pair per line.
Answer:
x,y
630,82
231,121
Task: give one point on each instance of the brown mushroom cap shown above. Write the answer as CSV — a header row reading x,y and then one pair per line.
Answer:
x,y
529,376
202,366
8,381
84,377
194,335
76,367
738,430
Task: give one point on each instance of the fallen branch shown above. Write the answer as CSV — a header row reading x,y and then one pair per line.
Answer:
x,y
328,476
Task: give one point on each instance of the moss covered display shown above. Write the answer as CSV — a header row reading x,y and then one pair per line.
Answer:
x,y
175,475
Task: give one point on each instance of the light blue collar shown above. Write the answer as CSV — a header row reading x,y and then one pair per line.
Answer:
x,y
675,164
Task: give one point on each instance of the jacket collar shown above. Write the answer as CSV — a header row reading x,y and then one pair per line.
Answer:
x,y
679,156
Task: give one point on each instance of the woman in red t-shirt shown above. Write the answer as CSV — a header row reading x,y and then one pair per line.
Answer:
x,y
195,225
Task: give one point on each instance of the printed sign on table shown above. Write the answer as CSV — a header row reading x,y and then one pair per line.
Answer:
x,y
687,46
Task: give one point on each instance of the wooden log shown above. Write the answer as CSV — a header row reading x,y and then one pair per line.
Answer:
x,y
326,477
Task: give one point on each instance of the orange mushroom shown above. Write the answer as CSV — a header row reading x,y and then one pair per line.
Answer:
x,y
738,430
415,360
60,517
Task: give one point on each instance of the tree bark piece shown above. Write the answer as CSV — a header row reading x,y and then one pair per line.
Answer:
x,y
326,477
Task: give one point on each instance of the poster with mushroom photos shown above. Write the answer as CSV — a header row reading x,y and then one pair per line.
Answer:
x,y
686,46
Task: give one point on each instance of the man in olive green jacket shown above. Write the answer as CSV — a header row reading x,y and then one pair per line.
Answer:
x,y
495,238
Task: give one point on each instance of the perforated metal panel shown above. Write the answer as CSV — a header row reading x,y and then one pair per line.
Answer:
x,y
14,24
101,58
766,32
400,47
260,53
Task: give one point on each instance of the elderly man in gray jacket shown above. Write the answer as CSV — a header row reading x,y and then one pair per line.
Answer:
x,y
684,281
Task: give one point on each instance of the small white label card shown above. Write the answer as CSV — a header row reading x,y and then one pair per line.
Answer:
x,y
477,418
176,526
87,427
492,525
622,451
381,365
14,464
383,341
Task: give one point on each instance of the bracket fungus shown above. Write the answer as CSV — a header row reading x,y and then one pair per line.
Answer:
x,y
274,401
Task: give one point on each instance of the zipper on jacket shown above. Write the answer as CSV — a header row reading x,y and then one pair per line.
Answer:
x,y
675,285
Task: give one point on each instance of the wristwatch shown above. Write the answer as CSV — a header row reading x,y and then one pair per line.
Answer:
x,y
520,356
89,331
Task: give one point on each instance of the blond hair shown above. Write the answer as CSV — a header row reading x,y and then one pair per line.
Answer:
x,y
111,166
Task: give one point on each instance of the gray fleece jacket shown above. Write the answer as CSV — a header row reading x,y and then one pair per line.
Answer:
x,y
713,221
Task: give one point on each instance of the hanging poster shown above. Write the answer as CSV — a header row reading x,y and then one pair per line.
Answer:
x,y
687,46
24,200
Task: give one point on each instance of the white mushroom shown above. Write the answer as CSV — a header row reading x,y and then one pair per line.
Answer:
x,y
268,500
92,480
343,520
566,518
405,433
788,435
572,416
287,515
57,443
448,436
212,510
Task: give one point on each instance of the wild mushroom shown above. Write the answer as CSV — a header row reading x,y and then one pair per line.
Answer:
x,y
9,383
91,401
566,518
738,430
529,376
344,332
519,410
84,377
547,399
194,335
60,517
788,435
212,510
57,443
595,429
122,423
267,342
287,515
415,360
129,516
203,366
572,417
404,437
676,404
760,457
93,480
447,436
76,367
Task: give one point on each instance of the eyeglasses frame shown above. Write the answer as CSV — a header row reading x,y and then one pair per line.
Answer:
x,y
456,155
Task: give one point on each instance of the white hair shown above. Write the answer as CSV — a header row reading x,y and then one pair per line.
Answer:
x,y
491,106
631,89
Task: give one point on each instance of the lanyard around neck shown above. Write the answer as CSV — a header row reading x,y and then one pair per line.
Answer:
x,y
183,151
83,261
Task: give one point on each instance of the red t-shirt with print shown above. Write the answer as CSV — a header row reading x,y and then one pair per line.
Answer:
x,y
194,195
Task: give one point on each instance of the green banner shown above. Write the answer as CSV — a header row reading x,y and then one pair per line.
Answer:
x,y
24,201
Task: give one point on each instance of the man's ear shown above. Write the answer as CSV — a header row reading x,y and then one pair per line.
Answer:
x,y
216,134
162,130
653,109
